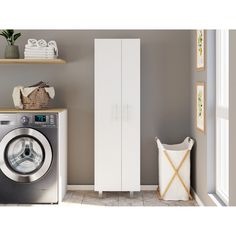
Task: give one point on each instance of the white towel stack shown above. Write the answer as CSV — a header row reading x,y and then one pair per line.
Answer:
x,y
40,49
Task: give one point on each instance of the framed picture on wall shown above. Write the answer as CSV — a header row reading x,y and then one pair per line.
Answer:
x,y
200,106
200,49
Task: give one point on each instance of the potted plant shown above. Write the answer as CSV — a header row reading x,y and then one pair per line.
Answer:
x,y
11,50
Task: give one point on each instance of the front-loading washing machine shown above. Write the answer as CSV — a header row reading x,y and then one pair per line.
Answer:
x,y
29,158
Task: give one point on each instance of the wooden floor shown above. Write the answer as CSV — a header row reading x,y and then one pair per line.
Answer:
x,y
143,198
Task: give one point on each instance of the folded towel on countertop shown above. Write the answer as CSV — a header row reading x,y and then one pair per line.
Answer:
x,y
42,43
40,57
32,42
40,49
42,53
36,49
53,44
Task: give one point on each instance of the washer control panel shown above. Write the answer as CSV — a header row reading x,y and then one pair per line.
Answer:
x,y
44,120
25,120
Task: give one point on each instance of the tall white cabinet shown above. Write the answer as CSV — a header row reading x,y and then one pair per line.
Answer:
x,y
117,115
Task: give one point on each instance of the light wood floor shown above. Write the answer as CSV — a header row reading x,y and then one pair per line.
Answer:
x,y
91,198
143,198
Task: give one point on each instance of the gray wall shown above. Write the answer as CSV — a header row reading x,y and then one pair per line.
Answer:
x,y
203,155
165,82
232,118
203,151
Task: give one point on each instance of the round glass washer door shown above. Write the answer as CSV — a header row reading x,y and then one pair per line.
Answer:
x,y
25,155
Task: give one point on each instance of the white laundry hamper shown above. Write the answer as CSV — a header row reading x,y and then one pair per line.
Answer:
x,y
174,170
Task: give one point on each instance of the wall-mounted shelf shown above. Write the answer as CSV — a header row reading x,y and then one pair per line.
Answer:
x,y
32,61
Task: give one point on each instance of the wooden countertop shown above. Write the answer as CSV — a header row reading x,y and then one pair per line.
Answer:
x,y
13,110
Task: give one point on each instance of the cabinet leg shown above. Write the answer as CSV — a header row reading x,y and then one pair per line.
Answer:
x,y
131,194
100,194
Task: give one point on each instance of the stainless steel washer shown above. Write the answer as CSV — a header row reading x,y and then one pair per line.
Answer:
x,y
28,158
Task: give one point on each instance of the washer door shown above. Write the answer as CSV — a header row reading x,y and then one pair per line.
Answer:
x,y
25,155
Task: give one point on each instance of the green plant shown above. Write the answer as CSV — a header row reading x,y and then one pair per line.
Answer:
x,y
199,40
10,36
200,104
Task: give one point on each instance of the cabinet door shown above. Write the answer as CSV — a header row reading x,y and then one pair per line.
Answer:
x,y
107,114
130,115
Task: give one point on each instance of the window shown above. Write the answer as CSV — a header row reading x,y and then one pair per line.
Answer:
x,y
222,114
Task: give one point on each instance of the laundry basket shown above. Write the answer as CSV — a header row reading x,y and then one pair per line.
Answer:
x,y
38,99
174,170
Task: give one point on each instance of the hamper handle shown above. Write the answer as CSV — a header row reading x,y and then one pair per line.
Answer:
x,y
159,144
190,142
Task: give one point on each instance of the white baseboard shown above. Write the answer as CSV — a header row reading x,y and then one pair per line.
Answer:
x,y
91,187
196,197
217,201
